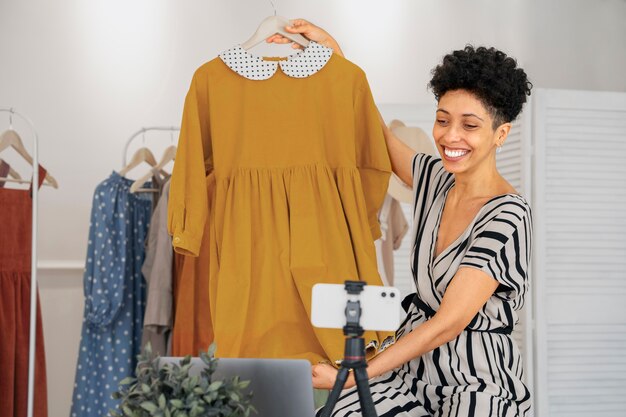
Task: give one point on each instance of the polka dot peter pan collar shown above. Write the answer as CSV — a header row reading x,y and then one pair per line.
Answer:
x,y
301,65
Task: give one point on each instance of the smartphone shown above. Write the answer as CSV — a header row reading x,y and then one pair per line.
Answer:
x,y
380,307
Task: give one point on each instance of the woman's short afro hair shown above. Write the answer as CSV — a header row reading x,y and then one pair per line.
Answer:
x,y
489,74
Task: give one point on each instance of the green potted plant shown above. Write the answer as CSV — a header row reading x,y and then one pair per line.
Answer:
x,y
169,390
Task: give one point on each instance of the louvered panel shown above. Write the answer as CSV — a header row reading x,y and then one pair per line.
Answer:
x,y
580,184
567,195
566,115
587,367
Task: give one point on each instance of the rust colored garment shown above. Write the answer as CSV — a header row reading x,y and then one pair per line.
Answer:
x,y
193,329
15,259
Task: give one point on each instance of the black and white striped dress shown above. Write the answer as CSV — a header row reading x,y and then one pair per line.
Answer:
x,y
480,372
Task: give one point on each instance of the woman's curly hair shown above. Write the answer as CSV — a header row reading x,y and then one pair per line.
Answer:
x,y
489,74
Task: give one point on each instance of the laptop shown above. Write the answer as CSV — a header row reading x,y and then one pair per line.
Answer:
x,y
280,387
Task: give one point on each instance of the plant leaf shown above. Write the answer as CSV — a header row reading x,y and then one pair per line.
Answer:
x,y
149,406
177,403
216,385
127,380
212,349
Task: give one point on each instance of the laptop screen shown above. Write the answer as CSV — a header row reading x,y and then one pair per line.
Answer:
x,y
280,387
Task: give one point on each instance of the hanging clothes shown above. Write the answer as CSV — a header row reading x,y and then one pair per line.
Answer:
x,y
114,295
301,169
157,271
393,227
15,285
193,328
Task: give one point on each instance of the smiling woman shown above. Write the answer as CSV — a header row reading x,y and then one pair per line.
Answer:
x,y
454,354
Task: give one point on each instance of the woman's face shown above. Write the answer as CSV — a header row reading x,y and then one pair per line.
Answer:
x,y
463,132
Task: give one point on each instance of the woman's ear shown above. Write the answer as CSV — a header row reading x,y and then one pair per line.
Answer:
x,y
502,132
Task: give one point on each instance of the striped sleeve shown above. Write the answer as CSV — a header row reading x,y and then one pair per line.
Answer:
x,y
501,246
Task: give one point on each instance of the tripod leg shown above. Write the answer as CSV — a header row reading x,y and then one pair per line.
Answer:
x,y
365,396
342,376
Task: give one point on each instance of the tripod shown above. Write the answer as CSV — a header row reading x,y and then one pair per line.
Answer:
x,y
354,356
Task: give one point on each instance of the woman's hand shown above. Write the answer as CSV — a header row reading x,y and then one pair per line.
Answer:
x,y
309,31
324,377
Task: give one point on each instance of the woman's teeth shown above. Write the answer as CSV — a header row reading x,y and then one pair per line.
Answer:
x,y
454,153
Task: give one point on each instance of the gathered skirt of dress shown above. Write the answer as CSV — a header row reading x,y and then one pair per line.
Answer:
x,y
15,285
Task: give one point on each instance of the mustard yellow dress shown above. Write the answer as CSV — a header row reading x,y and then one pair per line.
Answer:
x,y
300,168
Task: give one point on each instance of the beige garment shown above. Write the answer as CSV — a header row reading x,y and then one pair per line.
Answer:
x,y
157,271
393,226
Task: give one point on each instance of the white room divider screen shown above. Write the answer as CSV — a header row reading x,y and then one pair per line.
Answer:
x,y
580,252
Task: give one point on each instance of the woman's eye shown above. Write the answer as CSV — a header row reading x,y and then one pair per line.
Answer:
x,y
471,126
441,121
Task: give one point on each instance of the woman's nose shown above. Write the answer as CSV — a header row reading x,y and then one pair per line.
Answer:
x,y
453,133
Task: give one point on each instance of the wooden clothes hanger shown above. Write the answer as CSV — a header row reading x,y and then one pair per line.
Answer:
x,y
11,139
273,25
168,155
142,154
13,176
12,173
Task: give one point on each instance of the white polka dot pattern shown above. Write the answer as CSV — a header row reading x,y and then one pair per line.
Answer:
x,y
301,65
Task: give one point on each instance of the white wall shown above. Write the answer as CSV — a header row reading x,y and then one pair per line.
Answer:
x,y
90,73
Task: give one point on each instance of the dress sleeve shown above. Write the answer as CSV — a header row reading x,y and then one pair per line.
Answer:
x,y
502,245
106,263
188,201
371,154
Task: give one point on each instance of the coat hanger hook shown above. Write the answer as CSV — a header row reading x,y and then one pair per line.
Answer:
x,y
273,6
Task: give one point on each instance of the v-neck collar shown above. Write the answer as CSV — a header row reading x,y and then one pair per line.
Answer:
x,y
301,65
435,259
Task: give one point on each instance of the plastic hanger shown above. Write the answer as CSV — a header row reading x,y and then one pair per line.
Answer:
x,y
168,155
11,139
271,26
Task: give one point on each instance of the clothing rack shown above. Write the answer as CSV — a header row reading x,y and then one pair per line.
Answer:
x,y
33,267
142,131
